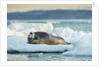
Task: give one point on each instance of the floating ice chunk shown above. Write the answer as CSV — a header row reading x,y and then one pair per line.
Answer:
x,y
47,28
19,44
67,31
82,46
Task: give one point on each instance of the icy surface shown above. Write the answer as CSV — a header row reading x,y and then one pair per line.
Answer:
x,y
19,43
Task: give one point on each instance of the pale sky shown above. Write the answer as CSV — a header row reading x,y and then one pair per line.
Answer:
x,y
29,7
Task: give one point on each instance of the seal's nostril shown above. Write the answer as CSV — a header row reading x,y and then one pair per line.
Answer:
x,y
30,32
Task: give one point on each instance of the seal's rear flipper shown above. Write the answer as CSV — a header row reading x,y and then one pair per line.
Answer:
x,y
68,43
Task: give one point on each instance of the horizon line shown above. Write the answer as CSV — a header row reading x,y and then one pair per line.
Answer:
x,y
51,10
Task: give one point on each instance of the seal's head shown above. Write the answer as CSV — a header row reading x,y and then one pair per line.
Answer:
x,y
31,35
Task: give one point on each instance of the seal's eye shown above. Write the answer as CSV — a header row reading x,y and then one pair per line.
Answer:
x,y
30,32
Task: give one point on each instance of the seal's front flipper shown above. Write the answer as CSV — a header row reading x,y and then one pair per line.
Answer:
x,y
27,42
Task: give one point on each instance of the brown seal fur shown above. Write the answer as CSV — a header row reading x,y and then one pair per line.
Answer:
x,y
45,38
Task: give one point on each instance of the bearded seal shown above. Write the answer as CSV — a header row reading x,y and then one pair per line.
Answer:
x,y
45,38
